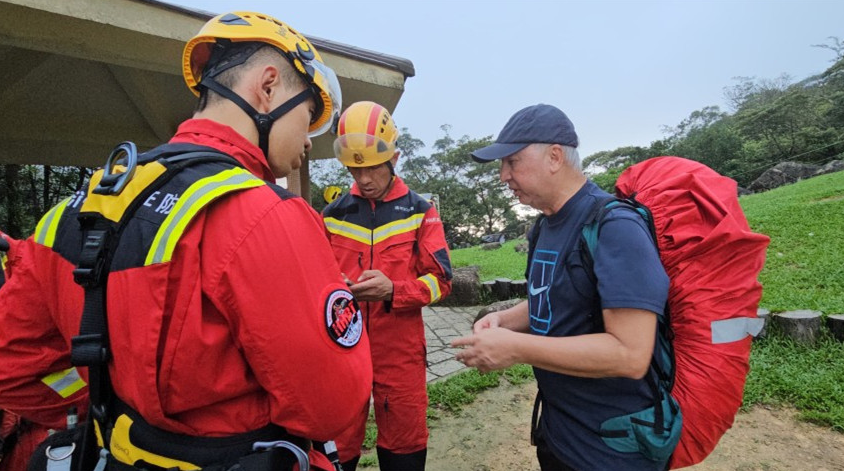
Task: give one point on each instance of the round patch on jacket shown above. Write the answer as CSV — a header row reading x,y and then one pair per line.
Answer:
x,y
343,319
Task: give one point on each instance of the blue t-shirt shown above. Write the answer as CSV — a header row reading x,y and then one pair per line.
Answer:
x,y
563,302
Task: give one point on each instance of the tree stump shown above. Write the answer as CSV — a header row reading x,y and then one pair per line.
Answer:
x,y
488,288
835,324
501,288
497,306
518,288
801,326
765,315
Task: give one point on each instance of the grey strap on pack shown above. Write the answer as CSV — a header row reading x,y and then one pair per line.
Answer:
x,y
59,458
735,329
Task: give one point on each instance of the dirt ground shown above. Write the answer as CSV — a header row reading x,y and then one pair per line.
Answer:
x,y
492,434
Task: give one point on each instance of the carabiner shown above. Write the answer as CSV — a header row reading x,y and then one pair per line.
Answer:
x,y
113,182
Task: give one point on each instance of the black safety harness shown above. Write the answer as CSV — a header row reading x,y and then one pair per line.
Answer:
x,y
258,450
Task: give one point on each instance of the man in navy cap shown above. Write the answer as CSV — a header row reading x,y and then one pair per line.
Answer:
x,y
588,332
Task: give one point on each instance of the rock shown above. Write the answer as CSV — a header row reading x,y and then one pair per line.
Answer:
x,y
491,246
831,167
497,306
835,324
802,326
465,287
744,191
521,247
783,173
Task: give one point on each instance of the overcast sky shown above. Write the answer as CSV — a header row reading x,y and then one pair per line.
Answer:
x,y
621,70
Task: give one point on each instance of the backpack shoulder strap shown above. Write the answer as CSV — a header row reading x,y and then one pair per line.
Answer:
x,y
533,236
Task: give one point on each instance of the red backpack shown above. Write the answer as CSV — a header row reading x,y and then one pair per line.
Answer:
x,y
713,260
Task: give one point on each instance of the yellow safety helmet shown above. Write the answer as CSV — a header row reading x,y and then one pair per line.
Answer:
x,y
366,135
244,26
331,193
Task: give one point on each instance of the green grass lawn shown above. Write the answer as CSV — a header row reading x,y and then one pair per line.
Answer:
x,y
805,264
499,263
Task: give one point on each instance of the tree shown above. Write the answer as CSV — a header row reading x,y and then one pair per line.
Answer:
x,y
28,191
472,199
836,46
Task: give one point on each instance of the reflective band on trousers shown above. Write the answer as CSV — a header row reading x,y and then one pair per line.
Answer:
x,y
433,286
735,329
64,383
196,197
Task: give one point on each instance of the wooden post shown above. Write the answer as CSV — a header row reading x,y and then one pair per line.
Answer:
x,y
293,183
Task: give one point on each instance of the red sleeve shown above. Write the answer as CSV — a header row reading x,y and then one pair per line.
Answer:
x,y
37,380
285,297
432,264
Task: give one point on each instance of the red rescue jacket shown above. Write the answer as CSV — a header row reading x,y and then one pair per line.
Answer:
x,y
229,335
402,236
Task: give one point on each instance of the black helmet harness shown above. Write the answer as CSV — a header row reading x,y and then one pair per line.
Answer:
x,y
226,55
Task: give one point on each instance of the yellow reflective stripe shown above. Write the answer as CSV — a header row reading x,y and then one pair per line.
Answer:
x,y
2,262
122,448
349,230
65,382
190,203
398,227
45,231
433,286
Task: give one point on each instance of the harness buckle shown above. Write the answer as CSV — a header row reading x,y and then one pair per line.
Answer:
x,y
91,260
88,350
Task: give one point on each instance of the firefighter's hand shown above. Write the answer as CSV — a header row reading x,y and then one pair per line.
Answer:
x,y
488,350
373,285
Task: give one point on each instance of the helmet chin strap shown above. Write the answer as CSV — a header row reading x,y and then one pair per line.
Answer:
x,y
263,121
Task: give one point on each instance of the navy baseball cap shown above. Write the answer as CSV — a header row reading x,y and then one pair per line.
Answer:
x,y
537,124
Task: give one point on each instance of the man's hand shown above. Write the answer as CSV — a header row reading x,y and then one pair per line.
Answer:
x,y
373,285
487,350
489,321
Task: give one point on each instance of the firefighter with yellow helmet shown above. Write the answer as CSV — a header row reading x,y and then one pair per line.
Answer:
x,y
391,247
229,323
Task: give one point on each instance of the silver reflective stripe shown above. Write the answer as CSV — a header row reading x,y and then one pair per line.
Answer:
x,y
65,382
735,329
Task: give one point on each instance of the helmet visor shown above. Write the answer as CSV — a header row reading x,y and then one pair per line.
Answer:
x,y
363,150
328,91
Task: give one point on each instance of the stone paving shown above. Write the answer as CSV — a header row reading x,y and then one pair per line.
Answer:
x,y
442,325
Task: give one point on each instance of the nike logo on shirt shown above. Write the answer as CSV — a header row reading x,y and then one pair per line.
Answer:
x,y
534,291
